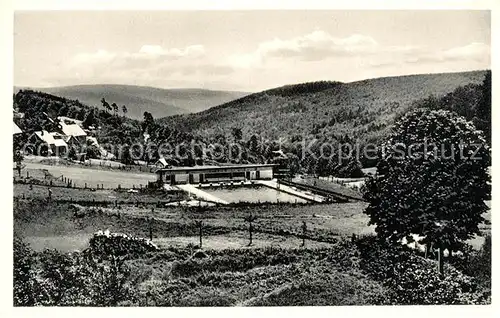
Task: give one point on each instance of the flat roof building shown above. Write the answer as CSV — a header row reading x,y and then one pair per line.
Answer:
x,y
209,174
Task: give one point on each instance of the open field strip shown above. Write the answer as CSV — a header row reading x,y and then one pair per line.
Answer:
x,y
93,177
191,189
281,187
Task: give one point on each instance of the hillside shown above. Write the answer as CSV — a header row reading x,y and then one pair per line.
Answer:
x,y
328,109
138,99
291,123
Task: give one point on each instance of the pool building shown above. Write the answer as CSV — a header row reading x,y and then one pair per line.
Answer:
x,y
215,174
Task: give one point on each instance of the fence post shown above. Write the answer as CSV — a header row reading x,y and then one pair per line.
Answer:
x,y
85,185
304,229
200,229
150,229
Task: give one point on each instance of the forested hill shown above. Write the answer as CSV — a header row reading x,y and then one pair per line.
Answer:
x,y
139,99
323,109
262,127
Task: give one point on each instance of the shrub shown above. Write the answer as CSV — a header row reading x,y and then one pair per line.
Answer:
x,y
413,279
334,289
26,288
476,264
115,244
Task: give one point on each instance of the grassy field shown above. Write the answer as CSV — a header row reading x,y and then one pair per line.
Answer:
x,y
274,224
224,227
104,195
275,270
93,177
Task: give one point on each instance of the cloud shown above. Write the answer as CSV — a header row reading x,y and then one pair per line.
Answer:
x,y
150,62
312,56
321,46
315,46
473,52
147,55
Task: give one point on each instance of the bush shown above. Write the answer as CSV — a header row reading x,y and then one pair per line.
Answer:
x,y
413,279
476,264
328,289
108,244
26,288
51,278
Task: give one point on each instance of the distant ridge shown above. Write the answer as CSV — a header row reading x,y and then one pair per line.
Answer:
x,y
324,108
138,99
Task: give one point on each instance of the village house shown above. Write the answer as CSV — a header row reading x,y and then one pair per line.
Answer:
x,y
49,144
16,130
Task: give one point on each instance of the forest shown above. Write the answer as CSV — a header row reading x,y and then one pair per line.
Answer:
x,y
291,124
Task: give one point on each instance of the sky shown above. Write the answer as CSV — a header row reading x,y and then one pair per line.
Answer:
x,y
242,50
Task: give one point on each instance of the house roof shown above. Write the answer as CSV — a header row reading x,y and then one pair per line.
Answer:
x,y
16,130
64,119
93,140
57,135
60,143
162,161
73,130
225,167
48,138
45,136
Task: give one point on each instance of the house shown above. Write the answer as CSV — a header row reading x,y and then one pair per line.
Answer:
x,y
104,154
75,131
69,121
162,163
207,174
60,146
46,143
16,130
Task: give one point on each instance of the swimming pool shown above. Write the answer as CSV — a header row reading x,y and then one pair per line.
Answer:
x,y
252,194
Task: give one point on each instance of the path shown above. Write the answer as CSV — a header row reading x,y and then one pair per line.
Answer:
x,y
284,188
200,193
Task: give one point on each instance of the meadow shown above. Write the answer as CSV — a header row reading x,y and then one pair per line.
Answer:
x,y
335,260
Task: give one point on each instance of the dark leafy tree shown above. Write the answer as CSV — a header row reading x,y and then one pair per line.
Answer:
x,y
81,114
349,168
433,180
63,111
115,108
125,156
484,107
237,134
148,123
26,288
89,120
72,153
124,110
105,104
